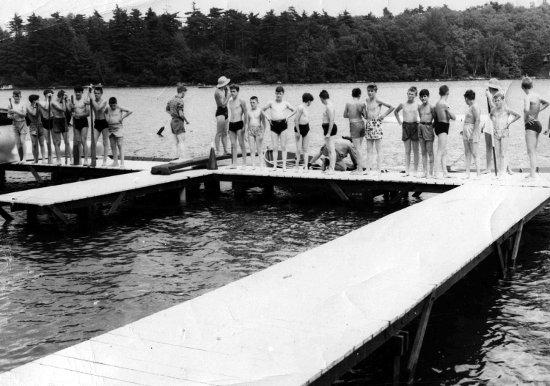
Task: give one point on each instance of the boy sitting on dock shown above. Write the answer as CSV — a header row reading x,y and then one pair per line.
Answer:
x,y
409,129
301,129
374,126
471,132
442,114
176,108
45,112
279,124
500,116
426,134
59,126
36,129
533,104
237,116
255,127
114,115
80,111
17,113
343,148
355,111
100,124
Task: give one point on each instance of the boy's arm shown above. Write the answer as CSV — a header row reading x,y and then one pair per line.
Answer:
x,y
514,114
389,107
450,114
526,108
346,115
56,106
263,110
490,100
292,109
315,157
128,112
299,113
245,111
544,104
396,113
330,113
477,117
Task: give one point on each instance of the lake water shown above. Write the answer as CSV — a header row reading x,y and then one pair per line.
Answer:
x,y
59,287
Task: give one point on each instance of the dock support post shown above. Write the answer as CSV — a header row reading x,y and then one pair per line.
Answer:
x,y
2,178
368,196
183,196
32,215
7,217
36,175
56,177
339,192
517,239
400,343
419,338
116,203
57,214
269,189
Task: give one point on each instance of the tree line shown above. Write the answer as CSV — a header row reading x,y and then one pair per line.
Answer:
x,y
133,48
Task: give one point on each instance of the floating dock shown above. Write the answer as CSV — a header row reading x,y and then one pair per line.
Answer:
x,y
312,317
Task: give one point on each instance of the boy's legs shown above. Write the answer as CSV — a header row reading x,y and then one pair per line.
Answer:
x,y
531,140
253,147
329,143
305,150
83,142
120,145
424,152
221,133
240,137
488,151
34,141
65,136
282,140
498,152
48,135
474,149
275,142
77,141
40,140
467,157
259,140
378,146
358,142
299,142
430,151
503,151
407,144
414,145
370,149
103,133
233,138
440,160
56,137
114,150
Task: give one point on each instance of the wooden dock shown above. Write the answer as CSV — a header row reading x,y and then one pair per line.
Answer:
x,y
310,318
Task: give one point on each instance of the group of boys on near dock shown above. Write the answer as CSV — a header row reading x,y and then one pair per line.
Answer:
x,y
50,119
421,125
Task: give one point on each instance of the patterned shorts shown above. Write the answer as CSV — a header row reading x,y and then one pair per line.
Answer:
x,y
255,131
374,129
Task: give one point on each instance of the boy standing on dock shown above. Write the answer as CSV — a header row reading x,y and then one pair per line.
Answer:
x,y
114,115
374,133
176,108
35,128
101,126
237,116
45,109
442,114
17,113
279,124
255,127
355,111
80,111
426,134
410,129
59,126
329,128
533,104
471,132
301,129
221,96
500,117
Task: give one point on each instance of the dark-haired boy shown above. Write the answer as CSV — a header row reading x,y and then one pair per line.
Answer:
x,y
301,129
17,113
426,134
176,108
409,129
279,124
45,109
101,126
441,129
471,132
355,111
374,125
329,128
80,108
35,128
59,126
237,116
114,115
533,104
255,127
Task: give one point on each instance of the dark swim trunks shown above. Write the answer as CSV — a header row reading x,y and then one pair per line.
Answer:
x,y
278,126
100,124
236,126
332,132
80,123
441,127
59,125
410,131
46,123
222,110
533,125
302,129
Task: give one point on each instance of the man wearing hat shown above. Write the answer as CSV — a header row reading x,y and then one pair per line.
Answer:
x,y
221,96
493,86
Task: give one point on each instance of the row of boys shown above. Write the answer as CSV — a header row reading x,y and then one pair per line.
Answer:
x,y
50,118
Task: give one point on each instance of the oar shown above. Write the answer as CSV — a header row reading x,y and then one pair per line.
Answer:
x,y
492,138
92,144
76,146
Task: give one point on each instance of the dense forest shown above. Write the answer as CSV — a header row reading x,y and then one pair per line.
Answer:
x,y
132,48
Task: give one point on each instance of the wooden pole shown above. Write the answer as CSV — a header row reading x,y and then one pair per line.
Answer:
x,y
76,145
92,137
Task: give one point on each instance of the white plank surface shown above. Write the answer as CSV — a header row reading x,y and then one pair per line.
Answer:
x,y
58,194
287,323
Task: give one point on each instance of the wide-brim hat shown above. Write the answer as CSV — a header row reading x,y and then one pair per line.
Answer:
x,y
223,81
494,83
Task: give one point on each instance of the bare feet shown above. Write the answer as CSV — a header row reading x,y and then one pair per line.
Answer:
x,y
232,166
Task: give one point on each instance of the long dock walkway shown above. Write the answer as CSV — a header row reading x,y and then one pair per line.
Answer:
x,y
310,318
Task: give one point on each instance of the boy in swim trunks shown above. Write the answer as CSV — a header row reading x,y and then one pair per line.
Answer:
x,y
442,114
355,111
17,113
114,115
101,126
471,132
343,148
255,127
221,96
80,111
59,126
426,134
533,104
279,123
410,129
374,125
175,107
500,117
45,110
35,128
237,116
301,129
329,128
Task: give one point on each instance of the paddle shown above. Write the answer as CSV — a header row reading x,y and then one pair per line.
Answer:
x,y
76,145
492,139
92,139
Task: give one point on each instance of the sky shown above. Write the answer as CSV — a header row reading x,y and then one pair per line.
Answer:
x,y
45,8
